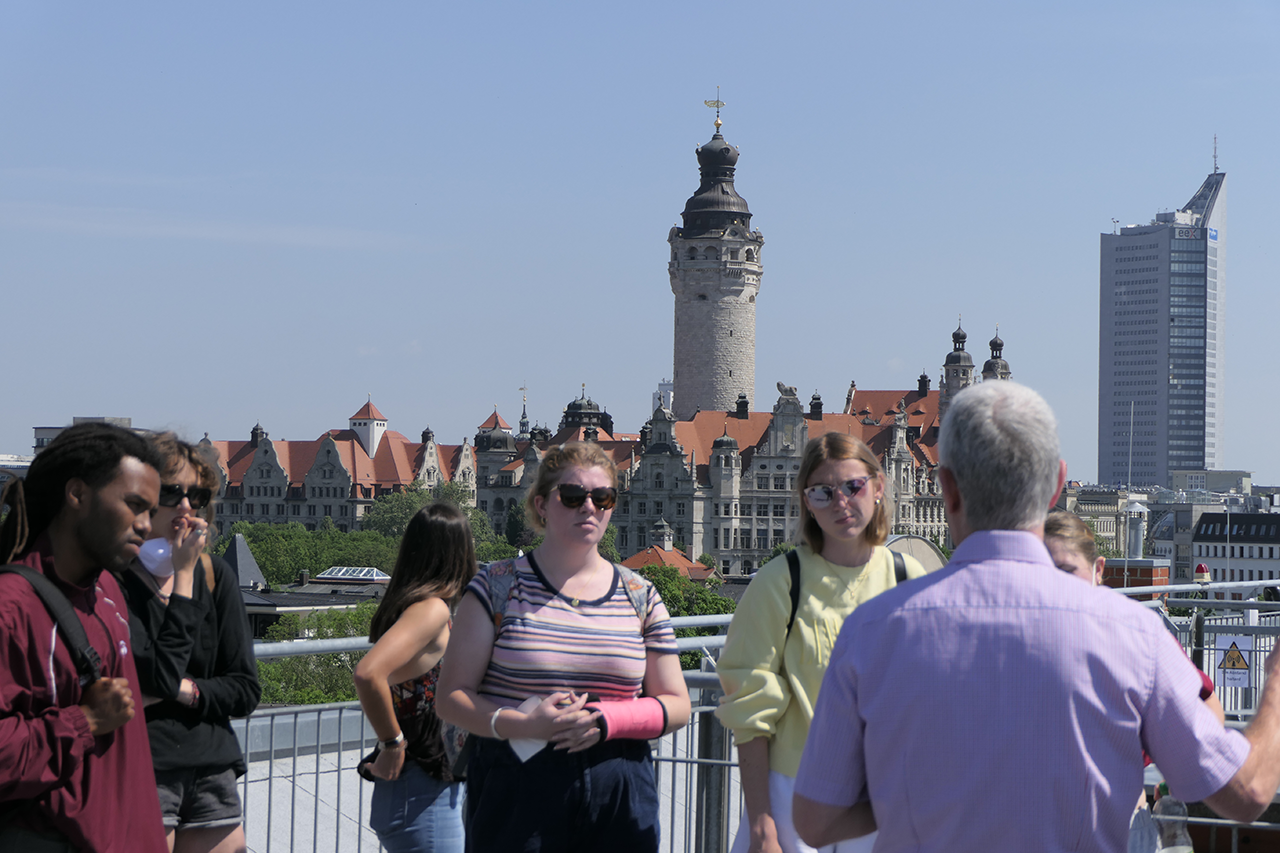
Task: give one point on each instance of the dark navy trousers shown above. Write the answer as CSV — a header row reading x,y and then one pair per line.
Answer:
x,y
604,798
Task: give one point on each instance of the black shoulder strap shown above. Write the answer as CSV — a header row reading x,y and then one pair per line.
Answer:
x,y
88,664
899,568
793,566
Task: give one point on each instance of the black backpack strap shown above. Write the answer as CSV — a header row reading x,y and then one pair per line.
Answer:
x,y
899,568
793,566
88,664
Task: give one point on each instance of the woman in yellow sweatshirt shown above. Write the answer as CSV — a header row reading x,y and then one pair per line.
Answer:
x,y
772,665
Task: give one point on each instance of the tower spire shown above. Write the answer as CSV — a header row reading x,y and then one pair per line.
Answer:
x,y
717,104
1215,150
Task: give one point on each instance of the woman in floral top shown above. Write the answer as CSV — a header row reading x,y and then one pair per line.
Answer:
x,y
417,804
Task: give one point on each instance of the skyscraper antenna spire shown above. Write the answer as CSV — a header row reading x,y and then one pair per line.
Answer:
x,y
1215,153
716,105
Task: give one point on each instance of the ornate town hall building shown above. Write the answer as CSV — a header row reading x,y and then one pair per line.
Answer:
x,y
706,471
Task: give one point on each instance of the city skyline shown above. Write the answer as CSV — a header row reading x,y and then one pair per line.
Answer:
x,y
213,218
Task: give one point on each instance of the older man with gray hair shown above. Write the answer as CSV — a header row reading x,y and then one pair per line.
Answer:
x,y
1000,704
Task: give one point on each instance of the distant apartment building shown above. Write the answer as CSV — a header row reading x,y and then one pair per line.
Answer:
x,y
1160,348
1238,546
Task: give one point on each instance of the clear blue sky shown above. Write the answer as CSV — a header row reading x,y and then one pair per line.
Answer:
x,y
216,215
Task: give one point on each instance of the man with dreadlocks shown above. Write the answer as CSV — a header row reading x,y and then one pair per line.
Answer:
x,y
75,766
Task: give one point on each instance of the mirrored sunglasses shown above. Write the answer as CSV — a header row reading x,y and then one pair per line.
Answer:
x,y
197,496
573,496
820,496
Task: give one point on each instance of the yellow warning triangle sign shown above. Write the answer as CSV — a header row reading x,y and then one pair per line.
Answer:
x,y
1233,659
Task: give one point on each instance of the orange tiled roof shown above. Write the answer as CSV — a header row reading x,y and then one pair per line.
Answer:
x,y
450,456
655,556
369,412
494,420
393,462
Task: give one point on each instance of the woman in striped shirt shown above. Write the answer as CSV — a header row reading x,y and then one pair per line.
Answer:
x,y
566,666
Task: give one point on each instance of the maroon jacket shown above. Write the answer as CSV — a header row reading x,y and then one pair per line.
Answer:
x,y
100,792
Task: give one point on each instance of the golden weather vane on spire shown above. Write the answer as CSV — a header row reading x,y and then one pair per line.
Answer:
x,y
716,105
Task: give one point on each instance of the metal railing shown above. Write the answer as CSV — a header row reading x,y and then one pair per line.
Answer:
x,y
302,793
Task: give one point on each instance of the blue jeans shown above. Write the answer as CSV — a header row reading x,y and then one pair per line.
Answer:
x,y
602,799
417,813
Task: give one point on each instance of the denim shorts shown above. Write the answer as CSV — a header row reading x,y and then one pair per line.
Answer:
x,y
198,798
604,798
417,812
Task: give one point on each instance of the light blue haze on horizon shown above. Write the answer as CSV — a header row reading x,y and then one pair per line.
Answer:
x,y
211,217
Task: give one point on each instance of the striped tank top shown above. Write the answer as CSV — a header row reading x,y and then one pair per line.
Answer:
x,y
546,644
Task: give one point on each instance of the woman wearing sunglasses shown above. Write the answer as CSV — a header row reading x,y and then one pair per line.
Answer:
x,y
194,653
566,689
771,672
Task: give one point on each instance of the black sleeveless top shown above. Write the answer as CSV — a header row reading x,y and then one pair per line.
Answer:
x,y
415,706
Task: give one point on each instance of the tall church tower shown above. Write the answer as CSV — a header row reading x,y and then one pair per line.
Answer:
x,y
957,371
715,273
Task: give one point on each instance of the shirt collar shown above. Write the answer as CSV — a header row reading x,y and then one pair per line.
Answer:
x,y
1019,546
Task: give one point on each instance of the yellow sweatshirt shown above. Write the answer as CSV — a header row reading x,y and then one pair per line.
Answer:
x,y
770,691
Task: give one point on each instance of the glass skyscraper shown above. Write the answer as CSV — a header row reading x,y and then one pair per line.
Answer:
x,y
1160,342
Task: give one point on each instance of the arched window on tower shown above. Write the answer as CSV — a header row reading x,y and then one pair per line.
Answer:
x,y
712,254
657,480
693,253
751,256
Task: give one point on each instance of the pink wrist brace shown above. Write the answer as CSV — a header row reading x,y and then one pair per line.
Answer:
x,y
638,719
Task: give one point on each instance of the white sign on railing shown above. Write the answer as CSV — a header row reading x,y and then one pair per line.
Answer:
x,y
1232,657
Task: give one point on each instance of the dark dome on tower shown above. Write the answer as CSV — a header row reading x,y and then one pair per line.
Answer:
x,y
996,367
957,354
725,442
716,205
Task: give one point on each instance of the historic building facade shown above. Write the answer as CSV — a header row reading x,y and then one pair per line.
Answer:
x,y
335,476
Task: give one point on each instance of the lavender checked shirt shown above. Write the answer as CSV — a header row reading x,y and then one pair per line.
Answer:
x,y
1001,704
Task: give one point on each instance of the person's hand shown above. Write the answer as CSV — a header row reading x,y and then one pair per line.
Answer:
x,y
763,835
189,538
389,762
556,712
107,704
580,730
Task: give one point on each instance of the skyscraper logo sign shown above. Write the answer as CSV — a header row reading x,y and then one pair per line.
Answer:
x,y
1213,234
1187,233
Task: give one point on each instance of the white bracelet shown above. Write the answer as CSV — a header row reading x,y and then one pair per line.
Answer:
x,y
493,724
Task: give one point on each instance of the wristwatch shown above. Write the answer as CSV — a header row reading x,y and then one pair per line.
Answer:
x,y
393,743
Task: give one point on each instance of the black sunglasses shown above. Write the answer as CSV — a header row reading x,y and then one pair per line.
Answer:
x,y
820,496
197,496
573,496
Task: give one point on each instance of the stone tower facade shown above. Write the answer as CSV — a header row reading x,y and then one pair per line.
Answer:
x,y
715,271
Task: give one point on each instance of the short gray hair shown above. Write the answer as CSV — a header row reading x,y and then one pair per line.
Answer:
x,y
1000,441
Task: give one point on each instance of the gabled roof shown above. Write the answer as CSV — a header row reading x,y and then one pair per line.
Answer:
x,y
697,435
871,421
494,420
241,561
393,464
450,456
368,412
655,556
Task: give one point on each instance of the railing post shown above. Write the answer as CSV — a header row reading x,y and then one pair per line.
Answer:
x,y
1197,639
713,780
